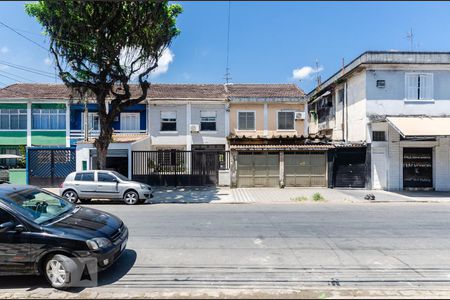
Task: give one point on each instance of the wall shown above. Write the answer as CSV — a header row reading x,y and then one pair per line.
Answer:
x,y
391,99
259,119
209,137
273,109
356,106
167,138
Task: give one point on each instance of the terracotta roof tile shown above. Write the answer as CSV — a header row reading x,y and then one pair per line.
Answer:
x,y
162,91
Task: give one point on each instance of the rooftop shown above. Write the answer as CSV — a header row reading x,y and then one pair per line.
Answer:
x,y
162,91
384,57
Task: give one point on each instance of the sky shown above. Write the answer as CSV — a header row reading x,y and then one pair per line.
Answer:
x,y
270,42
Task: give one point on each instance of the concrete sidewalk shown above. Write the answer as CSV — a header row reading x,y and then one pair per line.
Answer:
x,y
225,195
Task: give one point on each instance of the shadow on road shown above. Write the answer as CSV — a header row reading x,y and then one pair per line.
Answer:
x,y
119,269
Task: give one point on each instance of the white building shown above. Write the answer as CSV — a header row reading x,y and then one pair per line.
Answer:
x,y
388,113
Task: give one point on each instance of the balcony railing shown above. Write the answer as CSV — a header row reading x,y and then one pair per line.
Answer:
x,y
79,134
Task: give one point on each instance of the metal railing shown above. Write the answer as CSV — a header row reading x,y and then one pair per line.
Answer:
x,y
79,134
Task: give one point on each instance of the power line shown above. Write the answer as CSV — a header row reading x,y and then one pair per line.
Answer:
x,y
25,37
9,78
18,76
27,69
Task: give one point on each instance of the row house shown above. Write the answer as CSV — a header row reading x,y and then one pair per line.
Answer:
x,y
165,129
388,116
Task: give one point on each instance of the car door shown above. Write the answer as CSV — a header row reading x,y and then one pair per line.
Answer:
x,y
107,185
85,184
14,246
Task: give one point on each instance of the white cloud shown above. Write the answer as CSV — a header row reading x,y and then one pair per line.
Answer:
x,y
163,63
48,61
4,50
305,72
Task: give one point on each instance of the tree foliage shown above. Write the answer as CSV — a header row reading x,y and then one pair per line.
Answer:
x,y
102,47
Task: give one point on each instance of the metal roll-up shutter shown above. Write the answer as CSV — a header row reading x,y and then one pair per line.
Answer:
x,y
258,169
350,168
305,169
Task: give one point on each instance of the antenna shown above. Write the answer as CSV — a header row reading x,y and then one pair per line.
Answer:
x,y
227,68
318,79
410,37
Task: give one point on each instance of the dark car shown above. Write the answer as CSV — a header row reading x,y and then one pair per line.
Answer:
x,y
43,234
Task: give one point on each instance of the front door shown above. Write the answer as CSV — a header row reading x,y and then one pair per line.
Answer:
x,y
417,168
14,248
107,186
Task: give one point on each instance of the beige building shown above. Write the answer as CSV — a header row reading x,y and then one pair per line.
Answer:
x,y
269,140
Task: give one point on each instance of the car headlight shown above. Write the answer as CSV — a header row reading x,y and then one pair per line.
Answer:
x,y
97,243
145,187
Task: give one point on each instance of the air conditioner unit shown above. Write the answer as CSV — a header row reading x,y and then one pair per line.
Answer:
x,y
300,115
194,127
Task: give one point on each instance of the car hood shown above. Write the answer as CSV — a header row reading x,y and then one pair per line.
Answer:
x,y
87,223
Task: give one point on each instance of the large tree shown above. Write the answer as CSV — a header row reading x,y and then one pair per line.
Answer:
x,y
102,48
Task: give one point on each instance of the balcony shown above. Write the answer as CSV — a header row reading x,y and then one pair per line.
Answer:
x,y
79,134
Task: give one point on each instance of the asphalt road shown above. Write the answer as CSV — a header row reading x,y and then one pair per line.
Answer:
x,y
324,247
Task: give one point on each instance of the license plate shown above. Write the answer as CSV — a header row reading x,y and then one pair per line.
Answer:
x,y
124,244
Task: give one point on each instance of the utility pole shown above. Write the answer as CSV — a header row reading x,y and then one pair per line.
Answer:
x,y
227,68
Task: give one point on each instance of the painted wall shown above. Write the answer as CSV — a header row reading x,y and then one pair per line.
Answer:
x,y
356,106
48,138
209,137
13,137
259,118
159,137
391,99
272,121
77,111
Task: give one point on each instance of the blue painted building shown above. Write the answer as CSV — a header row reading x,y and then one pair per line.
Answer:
x,y
133,120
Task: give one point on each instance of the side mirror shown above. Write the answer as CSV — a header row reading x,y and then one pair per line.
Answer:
x,y
20,228
6,226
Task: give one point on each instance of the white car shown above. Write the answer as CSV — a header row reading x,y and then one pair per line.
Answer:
x,y
103,184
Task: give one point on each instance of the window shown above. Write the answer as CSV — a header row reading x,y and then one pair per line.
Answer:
x,y
13,119
49,119
286,120
378,136
246,120
340,95
84,176
419,86
105,177
208,121
93,122
5,217
168,121
129,121
381,84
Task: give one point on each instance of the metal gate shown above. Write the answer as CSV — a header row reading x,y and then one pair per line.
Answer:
x,y
48,167
305,169
350,168
178,167
258,169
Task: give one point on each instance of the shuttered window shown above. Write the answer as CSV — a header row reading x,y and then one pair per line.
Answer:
x,y
286,120
419,86
168,121
208,121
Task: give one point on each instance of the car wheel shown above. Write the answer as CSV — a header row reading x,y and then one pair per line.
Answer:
x,y
60,270
85,201
131,198
71,196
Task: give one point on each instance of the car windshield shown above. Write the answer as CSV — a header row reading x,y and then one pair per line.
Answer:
x,y
37,205
120,176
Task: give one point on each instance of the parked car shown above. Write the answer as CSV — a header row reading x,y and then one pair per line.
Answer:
x,y
96,184
43,234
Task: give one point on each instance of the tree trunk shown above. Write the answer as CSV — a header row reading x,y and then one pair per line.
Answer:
x,y
106,131
102,144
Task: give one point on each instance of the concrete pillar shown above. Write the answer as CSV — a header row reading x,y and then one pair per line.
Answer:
x,y
282,182
29,124
233,168
67,125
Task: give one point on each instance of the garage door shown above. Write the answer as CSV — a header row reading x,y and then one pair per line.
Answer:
x,y
305,169
258,169
350,168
